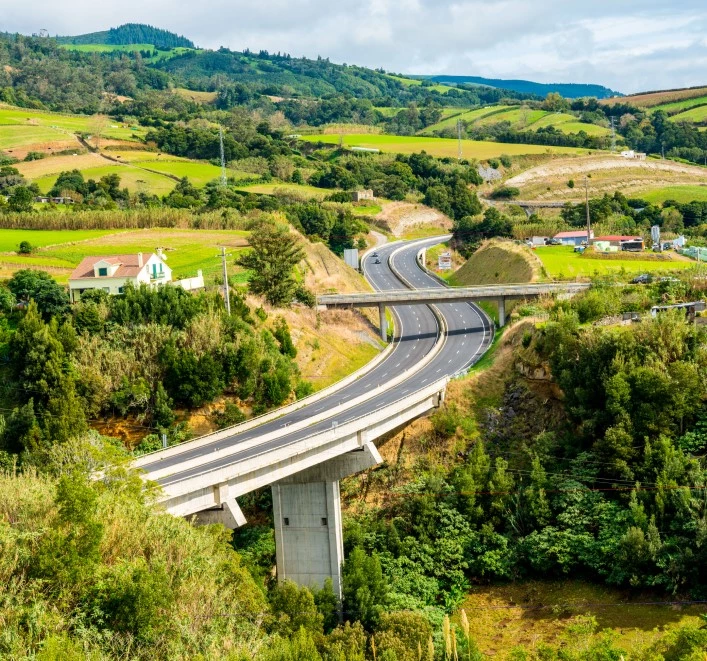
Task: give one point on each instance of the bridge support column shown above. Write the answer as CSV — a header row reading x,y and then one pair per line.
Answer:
x,y
307,512
226,511
501,312
383,322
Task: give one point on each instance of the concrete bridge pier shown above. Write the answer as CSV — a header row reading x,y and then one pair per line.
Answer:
x,y
307,512
383,322
501,312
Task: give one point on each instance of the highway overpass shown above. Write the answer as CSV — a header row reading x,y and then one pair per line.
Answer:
x,y
303,451
433,296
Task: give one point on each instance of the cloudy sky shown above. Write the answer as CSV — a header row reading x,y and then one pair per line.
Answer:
x,y
628,45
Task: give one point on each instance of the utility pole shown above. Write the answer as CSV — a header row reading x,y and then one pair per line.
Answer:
x,y
586,202
226,288
223,158
662,150
613,134
459,139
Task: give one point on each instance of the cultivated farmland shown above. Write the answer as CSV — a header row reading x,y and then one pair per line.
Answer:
x,y
561,262
440,146
652,99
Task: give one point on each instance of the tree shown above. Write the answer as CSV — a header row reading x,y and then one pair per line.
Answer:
x,y
275,251
38,286
365,589
21,199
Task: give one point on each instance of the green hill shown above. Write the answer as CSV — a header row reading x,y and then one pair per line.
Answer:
x,y
499,262
129,34
568,90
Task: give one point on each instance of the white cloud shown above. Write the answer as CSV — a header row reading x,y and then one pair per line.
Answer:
x,y
628,45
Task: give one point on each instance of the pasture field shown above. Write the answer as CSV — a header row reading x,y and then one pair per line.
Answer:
x,y
532,613
132,178
520,118
440,146
11,239
659,98
607,174
561,263
127,48
199,173
272,189
682,194
685,104
140,171
61,123
694,115
193,95
187,250
19,136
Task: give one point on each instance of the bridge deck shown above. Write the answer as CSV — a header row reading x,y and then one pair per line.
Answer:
x,y
450,295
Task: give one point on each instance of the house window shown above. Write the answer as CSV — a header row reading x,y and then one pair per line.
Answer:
x,y
106,290
121,290
102,271
286,521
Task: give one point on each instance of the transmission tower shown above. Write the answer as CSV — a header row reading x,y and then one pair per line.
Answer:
x,y
223,158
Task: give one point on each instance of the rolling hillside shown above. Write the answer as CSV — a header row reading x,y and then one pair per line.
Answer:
x,y
658,98
568,90
520,118
131,33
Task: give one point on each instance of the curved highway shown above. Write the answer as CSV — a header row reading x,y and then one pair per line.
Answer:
x,y
469,333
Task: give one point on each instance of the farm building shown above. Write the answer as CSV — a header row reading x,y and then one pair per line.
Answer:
x,y
112,274
359,195
616,241
633,155
574,238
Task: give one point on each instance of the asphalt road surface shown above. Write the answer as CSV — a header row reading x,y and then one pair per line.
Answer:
x,y
470,333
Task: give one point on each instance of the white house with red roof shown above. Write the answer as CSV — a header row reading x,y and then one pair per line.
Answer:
x,y
112,273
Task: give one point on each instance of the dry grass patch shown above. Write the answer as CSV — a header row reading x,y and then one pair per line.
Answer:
x,y
406,219
548,182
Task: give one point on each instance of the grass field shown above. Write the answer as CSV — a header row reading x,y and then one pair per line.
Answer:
x,y
680,194
18,136
138,171
685,104
561,262
271,189
193,95
533,612
440,146
520,118
653,99
132,178
42,120
198,173
11,239
694,115
127,48
498,262
187,250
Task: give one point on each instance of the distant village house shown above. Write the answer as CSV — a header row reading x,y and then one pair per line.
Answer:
x,y
633,155
359,195
113,273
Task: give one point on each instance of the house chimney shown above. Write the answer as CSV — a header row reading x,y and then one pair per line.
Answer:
x,y
139,259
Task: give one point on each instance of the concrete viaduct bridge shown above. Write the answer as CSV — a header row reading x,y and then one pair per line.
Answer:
x,y
303,450
496,293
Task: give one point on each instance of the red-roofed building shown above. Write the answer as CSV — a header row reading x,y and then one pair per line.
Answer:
x,y
112,273
574,238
